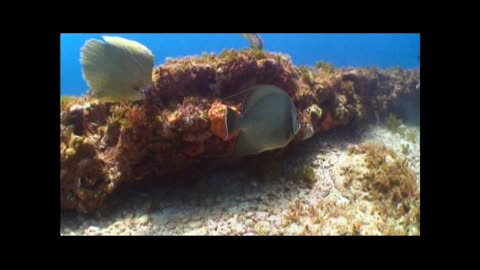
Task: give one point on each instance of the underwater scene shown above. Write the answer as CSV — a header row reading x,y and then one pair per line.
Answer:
x,y
240,134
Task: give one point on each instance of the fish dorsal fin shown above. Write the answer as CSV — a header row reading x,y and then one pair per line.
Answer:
x,y
139,53
257,93
118,69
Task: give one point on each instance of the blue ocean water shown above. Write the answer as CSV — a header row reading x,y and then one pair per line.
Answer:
x,y
341,50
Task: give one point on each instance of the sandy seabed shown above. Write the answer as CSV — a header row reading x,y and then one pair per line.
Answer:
x,y
239,202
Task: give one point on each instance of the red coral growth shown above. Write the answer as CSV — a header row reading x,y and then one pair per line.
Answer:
x,y
161,147
215,76
167,132
136,117
218,147
328,123
197,136
97,113
216,114
193,149
177,80
136,132
135,137
190,116
218,126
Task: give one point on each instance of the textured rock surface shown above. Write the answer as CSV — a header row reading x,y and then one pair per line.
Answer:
x,y
104,146
246,200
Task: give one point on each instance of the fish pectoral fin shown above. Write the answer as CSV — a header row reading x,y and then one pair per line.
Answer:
x,y
243,146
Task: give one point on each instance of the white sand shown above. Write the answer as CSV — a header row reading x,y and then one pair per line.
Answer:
x,y
236,202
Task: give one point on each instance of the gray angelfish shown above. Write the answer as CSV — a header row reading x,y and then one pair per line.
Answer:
x,y
117,70
269,121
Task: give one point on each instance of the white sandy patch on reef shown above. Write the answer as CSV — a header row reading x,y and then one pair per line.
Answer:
x,y
236,202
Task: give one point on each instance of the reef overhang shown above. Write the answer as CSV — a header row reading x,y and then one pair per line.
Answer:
x,y
180,121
